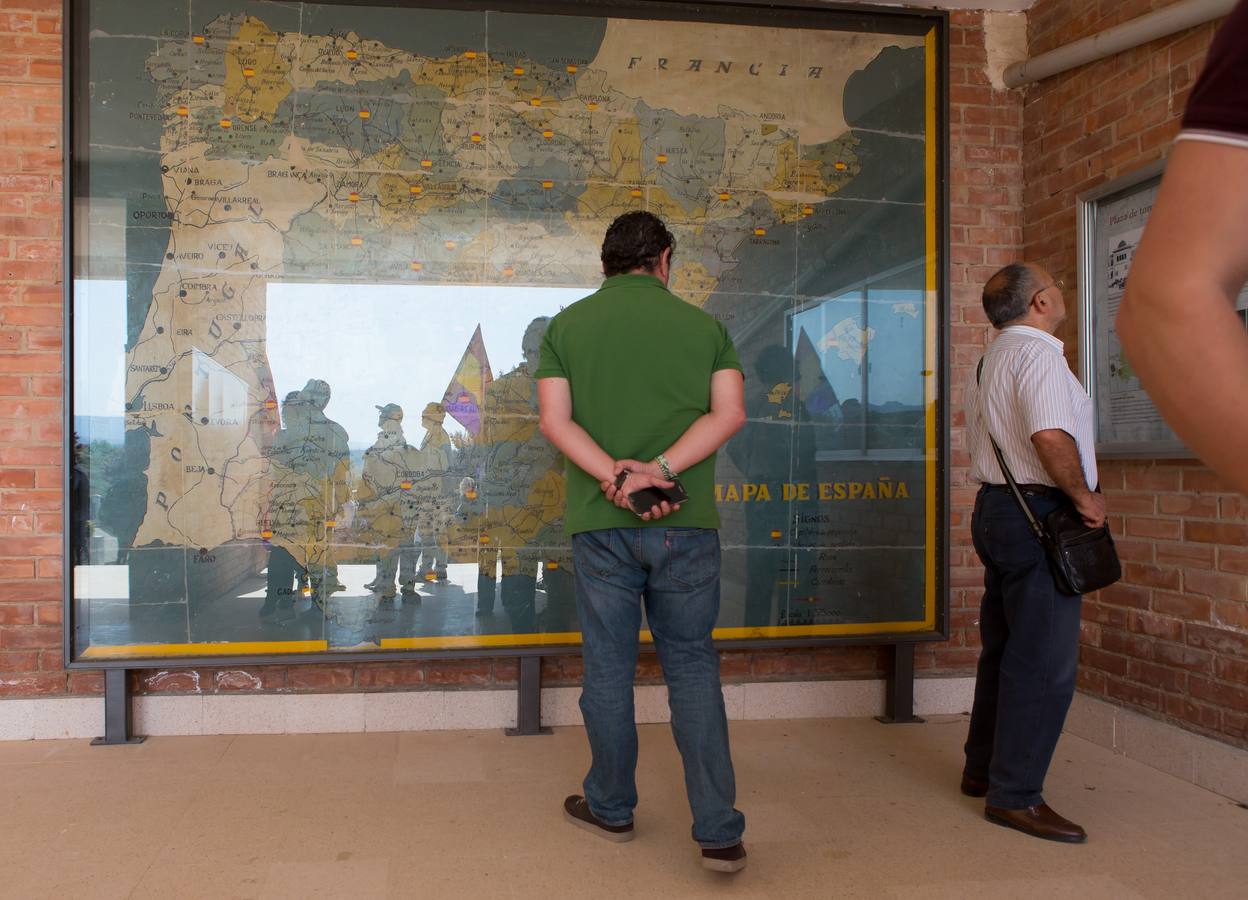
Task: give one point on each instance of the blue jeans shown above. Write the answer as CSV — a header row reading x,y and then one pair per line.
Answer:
x,y
1030,636
675,573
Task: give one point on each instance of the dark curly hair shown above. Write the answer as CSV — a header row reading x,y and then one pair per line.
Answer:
x,y
634,241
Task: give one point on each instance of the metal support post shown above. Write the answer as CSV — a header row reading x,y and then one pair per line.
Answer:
x,y
899,693
529,699
117,710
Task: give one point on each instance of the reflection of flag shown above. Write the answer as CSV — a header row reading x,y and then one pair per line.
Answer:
x,y
465,395
813,390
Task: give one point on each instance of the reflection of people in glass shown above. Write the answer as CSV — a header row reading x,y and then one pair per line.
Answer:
x,y
310,484
430,495
284,571
524,494
386,516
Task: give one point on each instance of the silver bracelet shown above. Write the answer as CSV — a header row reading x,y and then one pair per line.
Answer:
x,y
668,474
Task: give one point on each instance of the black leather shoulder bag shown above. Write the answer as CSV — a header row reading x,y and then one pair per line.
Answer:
x,y
1082,559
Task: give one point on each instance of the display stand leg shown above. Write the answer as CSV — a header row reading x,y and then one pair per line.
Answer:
x,y
117,710
899,693
529,699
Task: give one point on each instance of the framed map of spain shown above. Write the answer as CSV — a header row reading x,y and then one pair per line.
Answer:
x,y
315,246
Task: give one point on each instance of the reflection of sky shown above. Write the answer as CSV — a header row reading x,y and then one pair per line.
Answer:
x,y
894,358
374,344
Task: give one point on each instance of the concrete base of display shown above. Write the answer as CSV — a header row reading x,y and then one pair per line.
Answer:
x,y
432,710
1191,757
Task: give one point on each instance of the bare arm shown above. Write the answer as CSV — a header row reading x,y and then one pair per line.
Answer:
x,y
554,399
1059,454
1177,321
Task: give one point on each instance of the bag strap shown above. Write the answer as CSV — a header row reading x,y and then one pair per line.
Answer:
x,y
1036,528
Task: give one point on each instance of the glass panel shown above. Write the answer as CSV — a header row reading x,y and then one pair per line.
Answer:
x,y
318,246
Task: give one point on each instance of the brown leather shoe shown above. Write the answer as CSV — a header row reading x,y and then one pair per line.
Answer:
x,y
974,787
1037,821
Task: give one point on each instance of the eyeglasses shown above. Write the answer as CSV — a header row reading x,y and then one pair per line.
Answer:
x,y
1056,282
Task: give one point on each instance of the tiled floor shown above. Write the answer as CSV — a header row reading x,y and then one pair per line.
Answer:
x,y
834,808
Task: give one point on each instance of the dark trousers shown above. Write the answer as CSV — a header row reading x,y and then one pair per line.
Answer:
x,y
1030,635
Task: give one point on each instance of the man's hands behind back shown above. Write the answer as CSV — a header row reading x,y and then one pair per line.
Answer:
x,y
640,475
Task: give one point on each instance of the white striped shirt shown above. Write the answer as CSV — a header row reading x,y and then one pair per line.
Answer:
x,y
1026,387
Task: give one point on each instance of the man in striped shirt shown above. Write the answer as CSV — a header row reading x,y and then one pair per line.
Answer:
x,y
1028,400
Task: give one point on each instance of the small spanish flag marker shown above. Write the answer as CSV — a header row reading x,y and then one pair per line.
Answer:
x,y
365,114
415,189
471,495
840,167
775,535
426,163
759,232
226,123
330,523
551,564
199,38
476,138
357,241
591,106
548,134
548,184
429,576
635,192
661,158
270,404
571,70
406,485
183,111
518,70
536,101
485,538
508,271
351,54
450,245
470,54
353,197
266,534
248,71
808,210
416,266
724,195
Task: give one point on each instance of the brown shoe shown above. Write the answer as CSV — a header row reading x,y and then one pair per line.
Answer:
x,y
1037,821
974,787
576,810
724,859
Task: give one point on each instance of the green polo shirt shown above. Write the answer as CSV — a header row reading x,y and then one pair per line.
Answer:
x,y
639,360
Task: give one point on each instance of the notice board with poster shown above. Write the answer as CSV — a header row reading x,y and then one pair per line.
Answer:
x,y
315,247
1111,220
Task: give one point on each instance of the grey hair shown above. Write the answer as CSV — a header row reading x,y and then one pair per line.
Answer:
x,y
1008,294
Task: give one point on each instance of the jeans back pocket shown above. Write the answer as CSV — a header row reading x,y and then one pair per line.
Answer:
x,y
693,556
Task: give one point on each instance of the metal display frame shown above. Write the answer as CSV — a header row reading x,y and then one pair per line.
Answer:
x,y
745,12
1086,214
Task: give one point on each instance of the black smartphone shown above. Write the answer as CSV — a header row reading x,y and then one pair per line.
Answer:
x,y
646,498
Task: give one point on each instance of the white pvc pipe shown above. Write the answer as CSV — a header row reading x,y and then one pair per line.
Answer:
x,y
1162,23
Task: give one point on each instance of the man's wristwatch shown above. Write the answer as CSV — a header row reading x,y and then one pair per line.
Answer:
x,y
668,474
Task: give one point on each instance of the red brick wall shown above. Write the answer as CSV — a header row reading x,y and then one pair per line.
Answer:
x,y
986,232
1172,638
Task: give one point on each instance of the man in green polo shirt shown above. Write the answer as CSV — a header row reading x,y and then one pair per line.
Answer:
x,y
632,377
